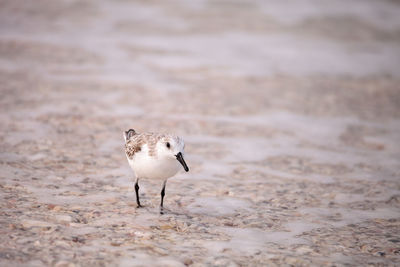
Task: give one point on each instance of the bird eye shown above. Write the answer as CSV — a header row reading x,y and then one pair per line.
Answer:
x,y
168,145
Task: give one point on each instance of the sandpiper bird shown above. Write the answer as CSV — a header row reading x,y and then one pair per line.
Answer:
x,y
154,156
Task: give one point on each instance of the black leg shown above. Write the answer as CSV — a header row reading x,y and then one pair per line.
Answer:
x,y
137,193
162,198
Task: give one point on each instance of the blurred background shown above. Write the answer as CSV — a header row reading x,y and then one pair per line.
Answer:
x,y
289,109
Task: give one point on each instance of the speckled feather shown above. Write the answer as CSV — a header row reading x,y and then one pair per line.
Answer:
x,y
135,143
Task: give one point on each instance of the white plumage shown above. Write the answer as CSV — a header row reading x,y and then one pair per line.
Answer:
x,y
154,156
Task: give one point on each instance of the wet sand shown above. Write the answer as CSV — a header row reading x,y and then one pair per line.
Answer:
x,y
290,113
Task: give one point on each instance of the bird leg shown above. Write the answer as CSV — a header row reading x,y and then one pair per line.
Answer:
x,y
162,198
137,193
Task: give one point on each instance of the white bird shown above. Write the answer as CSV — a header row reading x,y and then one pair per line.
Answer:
x,y
154,156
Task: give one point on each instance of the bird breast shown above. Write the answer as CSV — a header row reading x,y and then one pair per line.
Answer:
x,y
153,167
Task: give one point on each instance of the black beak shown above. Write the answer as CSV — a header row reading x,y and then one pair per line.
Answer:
x,y
179,157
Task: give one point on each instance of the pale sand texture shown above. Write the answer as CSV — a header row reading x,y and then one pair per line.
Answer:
x,y
290,111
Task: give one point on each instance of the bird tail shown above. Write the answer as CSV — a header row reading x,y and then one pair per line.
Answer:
x,y
128,134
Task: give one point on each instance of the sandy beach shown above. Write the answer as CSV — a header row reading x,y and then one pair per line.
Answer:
x,y
290,111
